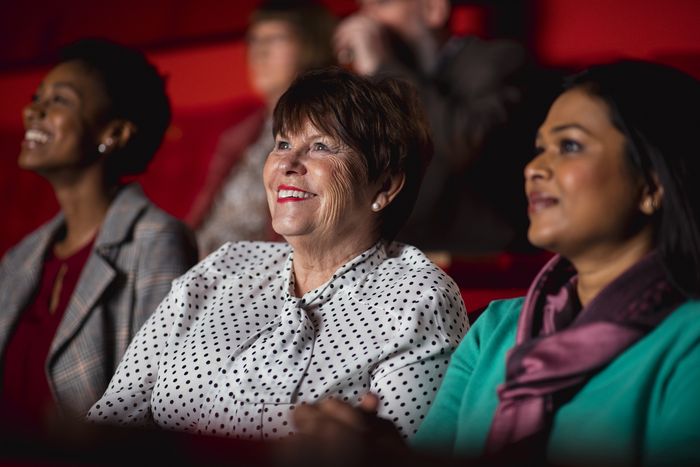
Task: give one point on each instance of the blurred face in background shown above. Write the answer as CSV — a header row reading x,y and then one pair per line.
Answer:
x,y
274,58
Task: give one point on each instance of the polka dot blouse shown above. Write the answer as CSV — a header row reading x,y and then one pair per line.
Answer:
x,y
231,351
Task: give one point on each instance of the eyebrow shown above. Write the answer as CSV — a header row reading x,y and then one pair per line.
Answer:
x,y
283,134
62,84
568,126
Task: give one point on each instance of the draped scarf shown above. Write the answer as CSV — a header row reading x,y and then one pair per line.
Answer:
x,y
559,345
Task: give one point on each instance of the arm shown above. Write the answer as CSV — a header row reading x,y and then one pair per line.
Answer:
x,y
439,429
408,378
127,400
674,436
165,255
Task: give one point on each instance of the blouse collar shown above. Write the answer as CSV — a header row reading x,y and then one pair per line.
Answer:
x,y
346,275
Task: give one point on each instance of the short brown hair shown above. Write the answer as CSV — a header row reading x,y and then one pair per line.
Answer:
x,y
381,120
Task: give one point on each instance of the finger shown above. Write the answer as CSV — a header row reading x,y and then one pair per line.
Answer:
x,y
306,418
343,413
369,403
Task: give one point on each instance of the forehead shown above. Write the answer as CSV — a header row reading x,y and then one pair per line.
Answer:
x,y
305,129
77,76
271,27
577,107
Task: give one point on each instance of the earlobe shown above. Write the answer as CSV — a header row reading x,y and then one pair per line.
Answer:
x,y
652,198
389,190
116,135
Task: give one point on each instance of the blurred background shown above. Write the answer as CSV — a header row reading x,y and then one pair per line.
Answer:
x,y
200,46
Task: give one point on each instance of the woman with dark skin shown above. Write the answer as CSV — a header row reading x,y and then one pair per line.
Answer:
x,y
600,363
74,292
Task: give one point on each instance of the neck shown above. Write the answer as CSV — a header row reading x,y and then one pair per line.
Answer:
x,y
597,270
314,263
84,201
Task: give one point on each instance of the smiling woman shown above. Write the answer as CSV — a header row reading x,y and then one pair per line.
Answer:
x,y
256,329
74,292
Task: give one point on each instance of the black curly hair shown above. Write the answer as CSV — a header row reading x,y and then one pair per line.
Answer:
x,y
137,93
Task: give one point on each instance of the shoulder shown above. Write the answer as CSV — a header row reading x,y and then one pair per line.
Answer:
x,y
154,220
242,258
406,263
412,289
488,58
498,320
37,239
493,48
681,329
406,266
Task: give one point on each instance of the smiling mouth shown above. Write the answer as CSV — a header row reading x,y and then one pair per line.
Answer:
x,y
34,137
287,194
538,202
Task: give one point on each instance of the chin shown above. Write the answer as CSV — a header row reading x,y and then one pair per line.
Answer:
x,y
544,240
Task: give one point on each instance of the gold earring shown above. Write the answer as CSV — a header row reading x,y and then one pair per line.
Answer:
x,y
651,205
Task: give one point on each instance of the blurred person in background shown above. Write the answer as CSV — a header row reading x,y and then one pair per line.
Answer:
x,y
474,92
284,39
74,292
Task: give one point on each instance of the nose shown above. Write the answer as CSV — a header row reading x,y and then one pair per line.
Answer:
x,y
292,162
33,111
538,167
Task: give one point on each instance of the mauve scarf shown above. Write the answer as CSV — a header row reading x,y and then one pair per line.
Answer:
x,y
558,348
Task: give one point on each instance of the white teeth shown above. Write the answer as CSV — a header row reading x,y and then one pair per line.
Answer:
x,y
36,136
294,194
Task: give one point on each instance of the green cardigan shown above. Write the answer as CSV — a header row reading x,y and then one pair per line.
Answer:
x,y
642,409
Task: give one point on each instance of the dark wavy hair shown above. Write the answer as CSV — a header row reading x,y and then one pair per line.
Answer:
x,y
136,92
381,120
655,107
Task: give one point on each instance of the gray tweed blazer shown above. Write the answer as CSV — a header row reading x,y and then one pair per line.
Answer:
x,y
138,251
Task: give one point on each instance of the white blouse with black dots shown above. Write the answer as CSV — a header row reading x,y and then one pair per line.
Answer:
x,y
231,351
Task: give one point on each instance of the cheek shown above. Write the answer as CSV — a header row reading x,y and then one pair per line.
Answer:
x,y
343,180
268,177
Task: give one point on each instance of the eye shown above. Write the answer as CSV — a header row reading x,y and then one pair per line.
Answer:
x,y
319,147
282,145
536,151
59,99
570,146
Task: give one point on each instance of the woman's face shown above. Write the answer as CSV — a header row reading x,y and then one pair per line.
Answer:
x,y
63,119
582,193
274,57
317,189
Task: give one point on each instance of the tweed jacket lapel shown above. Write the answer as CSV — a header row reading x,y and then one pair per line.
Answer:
x,y
98,273
26,272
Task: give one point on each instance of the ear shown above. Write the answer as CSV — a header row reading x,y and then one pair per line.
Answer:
x,y
436,13
116,135
388,191
652,196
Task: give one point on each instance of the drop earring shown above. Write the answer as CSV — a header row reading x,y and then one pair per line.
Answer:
x,y
101,148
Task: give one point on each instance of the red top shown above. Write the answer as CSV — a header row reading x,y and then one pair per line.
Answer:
x,y
25,389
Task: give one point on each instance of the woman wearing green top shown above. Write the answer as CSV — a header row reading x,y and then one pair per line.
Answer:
x,y
600,362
